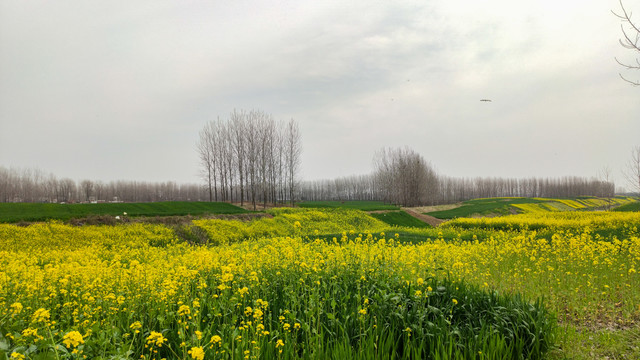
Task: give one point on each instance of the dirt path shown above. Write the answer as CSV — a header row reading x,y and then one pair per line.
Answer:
x,y
422,217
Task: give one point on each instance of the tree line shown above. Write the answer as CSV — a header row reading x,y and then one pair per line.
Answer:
x,y
250,157
33,185
404,177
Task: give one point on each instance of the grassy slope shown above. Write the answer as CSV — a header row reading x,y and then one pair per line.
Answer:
x,y
359,205
15,212
493,206
506,206
400,218
635,206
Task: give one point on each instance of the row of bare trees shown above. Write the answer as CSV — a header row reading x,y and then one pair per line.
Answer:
x,y
403,177
32,185
250,157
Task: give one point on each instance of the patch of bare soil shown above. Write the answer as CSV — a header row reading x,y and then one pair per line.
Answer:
x,y
423,217
426,209
166,220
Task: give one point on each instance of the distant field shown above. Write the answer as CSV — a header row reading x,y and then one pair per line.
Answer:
x,y
359,205
400,218
15,212
506,206
635,206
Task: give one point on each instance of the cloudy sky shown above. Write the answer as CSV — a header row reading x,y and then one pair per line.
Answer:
x,y
119,89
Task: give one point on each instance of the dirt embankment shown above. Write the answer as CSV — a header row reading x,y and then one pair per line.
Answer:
x,y
166,220
422,217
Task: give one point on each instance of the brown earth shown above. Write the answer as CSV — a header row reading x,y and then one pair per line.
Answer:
x,y
423,217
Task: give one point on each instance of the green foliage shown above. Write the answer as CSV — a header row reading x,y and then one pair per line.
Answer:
x,y
634,206
510,205
15,212
400,218
484,207
290,222
359,205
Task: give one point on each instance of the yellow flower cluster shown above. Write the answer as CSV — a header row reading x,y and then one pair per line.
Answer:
x,y
103,277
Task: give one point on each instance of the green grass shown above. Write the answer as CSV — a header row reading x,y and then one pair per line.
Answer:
x,y
484,207
400,218
359,205
509,205
635,206
16,212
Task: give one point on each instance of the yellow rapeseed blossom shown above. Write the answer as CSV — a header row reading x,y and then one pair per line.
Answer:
x,y
196,353
41,316
184,310
72,339
16,308
216,339
156,338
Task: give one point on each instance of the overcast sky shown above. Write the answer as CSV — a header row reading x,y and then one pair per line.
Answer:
x,y
109,90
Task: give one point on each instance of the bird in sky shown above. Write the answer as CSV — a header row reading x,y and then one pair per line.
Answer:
x,y
489,100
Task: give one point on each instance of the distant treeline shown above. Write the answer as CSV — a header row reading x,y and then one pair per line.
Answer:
x,y
451,190
32,185
403,177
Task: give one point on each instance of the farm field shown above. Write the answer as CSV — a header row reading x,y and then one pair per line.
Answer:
x,y
324,283
14,212
399,218
509,206
359,205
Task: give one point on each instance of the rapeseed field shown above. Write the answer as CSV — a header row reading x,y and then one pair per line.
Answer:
x,y
285,289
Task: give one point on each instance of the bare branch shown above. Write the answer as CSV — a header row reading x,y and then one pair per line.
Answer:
x,y
629,40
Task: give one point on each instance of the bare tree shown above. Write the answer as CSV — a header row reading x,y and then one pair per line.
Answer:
x,y
630,40
237,130
87,187
206,153
66,190
632,172
293,152
405,177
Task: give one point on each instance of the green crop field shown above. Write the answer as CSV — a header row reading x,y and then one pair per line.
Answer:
x,y
400,218
635,206
507,206
15,212
358,205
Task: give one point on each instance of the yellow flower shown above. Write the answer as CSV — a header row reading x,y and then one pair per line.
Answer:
x,y
30,332
16,308
362,311
216,339
41,315
279,343
455,302
243,291
136,325
17,356
156,338
72,339
184,310
196,353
